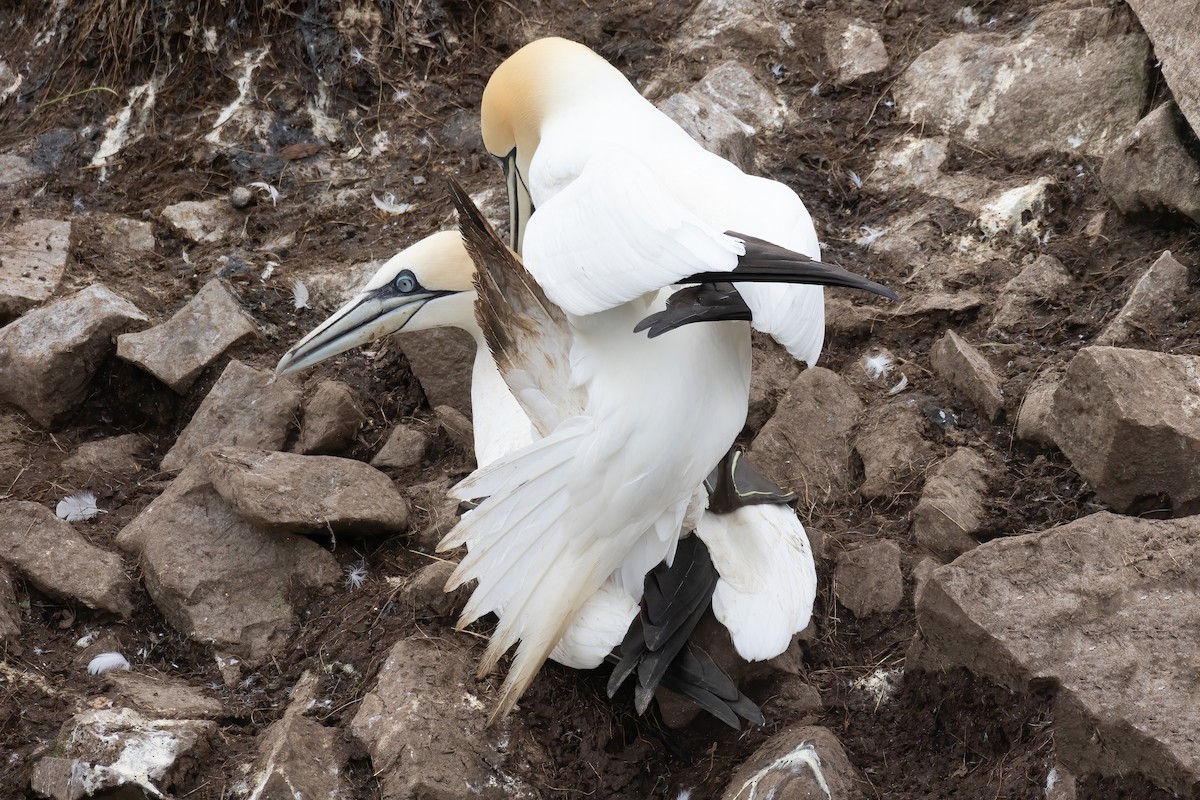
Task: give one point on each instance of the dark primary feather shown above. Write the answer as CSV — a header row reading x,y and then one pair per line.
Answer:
x,y
769,263
657,649
705,302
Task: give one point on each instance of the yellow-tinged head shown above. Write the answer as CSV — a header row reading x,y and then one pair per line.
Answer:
x,y
428,285
543,77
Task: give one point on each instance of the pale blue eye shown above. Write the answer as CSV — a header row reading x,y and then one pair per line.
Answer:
x,y
405,283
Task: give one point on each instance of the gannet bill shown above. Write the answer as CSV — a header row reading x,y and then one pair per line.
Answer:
x,y
383,308
427,285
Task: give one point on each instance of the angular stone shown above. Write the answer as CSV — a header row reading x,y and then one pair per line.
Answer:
x,y
867,579
298,757
1101,608
1151,304
1035,415
892,446
246,407
425,725
48,356
1025,300
425,592
201,221
178,350
442,359
306,494
799,763
968,373
124,235
457,426
805,447
1151,171
951,509
434,512
1074,80
712,125
1177,48
332,417
854,50
717,28
735,88
33,255
14,169
1127,421
218,578
10,612
114,456
162,697
772,372
54,558
405,447
119,753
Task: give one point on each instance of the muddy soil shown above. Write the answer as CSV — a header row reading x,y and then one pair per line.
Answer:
x,y
939,736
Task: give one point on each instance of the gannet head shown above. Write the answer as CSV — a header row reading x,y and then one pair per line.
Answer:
x,y
545,77
427,285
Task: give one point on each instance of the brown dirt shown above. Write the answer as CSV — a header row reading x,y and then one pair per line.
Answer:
x,y
942,736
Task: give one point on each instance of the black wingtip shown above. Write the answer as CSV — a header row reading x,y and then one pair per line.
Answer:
x,y
704,302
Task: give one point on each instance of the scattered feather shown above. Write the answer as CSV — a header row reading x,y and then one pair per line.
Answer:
x,y
400,95
388,204
300,295
356,56
869,236
900,386
857,181
877,366
87,639
271,191
1051,779
356,576
105,662
777,70
815,90
269,271
78,507
881,684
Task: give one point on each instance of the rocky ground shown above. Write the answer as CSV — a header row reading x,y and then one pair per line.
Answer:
x,y
997,473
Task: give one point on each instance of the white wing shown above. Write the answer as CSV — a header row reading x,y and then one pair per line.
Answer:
x,y
614,233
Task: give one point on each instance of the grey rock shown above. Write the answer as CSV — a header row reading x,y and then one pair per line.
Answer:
x,y
178,350
425,725
33,255
162,697
298,757
425,592
246,407
1177,48
1027,299
332,418
1074,80
441,359
921,574
201,221
867,580
968,373
1151,171
771,373
10,612
123,235
241,197
405,447
1126,420
891,443
805,447
1151,304
1097,607
1037,409
218,578
854,50
306,494
736,89
717,28
115,456
786,768
457,426
48,356
434,512
713,126
118,752
15,169
331,287
951,509
54,558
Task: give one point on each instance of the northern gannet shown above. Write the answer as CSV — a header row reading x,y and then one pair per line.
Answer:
x,y
626,204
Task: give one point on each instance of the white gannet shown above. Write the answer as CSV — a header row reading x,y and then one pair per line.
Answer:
x,y
626,204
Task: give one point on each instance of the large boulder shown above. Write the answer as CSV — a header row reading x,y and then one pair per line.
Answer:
x,y
1152,171
441,359
1127,421
1102,607
968,372
800,763
33,256
1151,304
48,356
1170,25
1073,81
951,509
